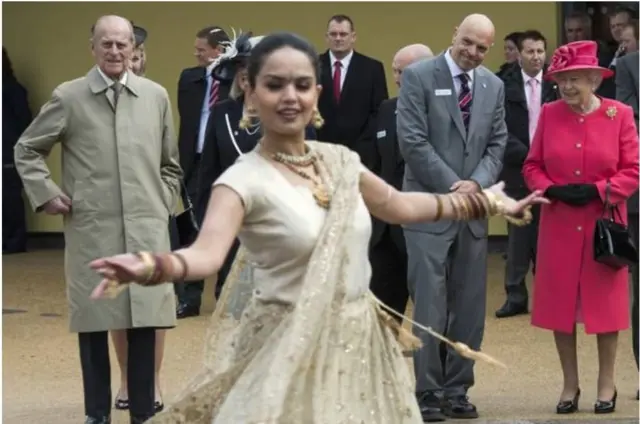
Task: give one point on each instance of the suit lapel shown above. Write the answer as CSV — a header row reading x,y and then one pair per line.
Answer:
x,y
326,76
479,99
444,81
387,144
350,77
549,92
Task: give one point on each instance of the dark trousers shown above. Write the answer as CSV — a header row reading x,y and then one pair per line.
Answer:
x,y
389,273
190,293
14,224
521,255
633,229
96,373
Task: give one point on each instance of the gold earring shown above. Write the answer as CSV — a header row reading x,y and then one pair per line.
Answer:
x,y
317,119
245,121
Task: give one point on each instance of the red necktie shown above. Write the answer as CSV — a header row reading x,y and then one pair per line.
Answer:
x,y
213,94
337,76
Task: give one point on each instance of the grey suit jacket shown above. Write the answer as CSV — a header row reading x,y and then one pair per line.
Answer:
x,y
432,138
627,93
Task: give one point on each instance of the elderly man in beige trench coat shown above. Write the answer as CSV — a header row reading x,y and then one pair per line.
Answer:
x,y
120,182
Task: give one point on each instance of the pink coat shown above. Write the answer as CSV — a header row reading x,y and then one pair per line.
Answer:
x,y
569,148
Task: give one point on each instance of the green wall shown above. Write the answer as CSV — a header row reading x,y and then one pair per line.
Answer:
x,y
49,41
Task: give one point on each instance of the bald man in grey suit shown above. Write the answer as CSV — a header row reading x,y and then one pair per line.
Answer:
x,y
627,93
452,136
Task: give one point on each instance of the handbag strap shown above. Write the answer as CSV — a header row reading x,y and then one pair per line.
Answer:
x,y
608,206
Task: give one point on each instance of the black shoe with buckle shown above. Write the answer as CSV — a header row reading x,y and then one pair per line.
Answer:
x,y
569,406
606,406
459,407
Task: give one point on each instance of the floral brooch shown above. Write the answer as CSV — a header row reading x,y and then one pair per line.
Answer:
x,y
611,112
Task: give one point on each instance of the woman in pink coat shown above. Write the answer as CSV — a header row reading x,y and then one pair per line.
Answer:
x,y
582,142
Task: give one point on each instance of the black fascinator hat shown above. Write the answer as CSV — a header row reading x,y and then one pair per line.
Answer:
x,y
140,34
236,53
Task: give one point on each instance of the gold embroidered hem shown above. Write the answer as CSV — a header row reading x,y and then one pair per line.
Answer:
x,y
363,377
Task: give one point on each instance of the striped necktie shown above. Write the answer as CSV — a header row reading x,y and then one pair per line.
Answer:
x,y
465,99
214,92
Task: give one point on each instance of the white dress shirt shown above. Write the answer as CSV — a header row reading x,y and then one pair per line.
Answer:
x,y
110,81
456,72
345,66
205,112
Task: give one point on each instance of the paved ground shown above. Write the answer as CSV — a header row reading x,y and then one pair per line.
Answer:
x,y
41,371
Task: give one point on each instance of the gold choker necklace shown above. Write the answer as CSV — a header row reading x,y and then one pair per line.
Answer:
x,y
320,190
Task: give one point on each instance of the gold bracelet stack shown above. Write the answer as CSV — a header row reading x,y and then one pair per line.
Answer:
x,y
468,207
158,269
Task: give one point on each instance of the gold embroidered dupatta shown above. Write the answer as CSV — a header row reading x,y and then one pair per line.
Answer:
x,y
267,350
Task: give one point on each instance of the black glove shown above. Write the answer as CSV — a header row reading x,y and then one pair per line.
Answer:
x,y
573,194
584,193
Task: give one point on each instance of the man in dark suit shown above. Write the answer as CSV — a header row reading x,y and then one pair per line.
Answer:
x,y
354,86
388,253
197,93
525,92
16,117
627,92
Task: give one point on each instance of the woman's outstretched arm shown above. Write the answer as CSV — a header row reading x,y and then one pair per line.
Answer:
x,y
220,227
202,259
395,207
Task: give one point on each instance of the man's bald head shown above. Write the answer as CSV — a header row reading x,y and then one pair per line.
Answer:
x,y
406,56
472,40
112,45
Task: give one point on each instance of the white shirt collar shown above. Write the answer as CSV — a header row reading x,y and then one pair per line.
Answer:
x,y
109,81
210,67
455,69
526,77
345,61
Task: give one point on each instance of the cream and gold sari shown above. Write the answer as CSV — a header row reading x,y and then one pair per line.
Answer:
x,y
324,358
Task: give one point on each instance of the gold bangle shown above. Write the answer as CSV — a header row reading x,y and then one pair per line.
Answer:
x,y
439,207
454,206
149,264
466,207
495,204
479,211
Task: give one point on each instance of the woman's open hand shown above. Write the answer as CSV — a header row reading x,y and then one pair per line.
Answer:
x,y
125,268
516,208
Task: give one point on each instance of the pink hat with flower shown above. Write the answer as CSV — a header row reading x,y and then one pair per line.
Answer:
x,y
579,55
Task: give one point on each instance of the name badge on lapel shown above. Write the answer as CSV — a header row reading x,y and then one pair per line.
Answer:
x,y
443,92
381,134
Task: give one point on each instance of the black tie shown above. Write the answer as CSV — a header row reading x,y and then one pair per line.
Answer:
x,y
465,99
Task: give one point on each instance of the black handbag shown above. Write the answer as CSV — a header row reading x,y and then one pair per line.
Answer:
x,y
186,222
612,243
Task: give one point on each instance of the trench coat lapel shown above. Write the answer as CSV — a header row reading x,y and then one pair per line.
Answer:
x,y
98,86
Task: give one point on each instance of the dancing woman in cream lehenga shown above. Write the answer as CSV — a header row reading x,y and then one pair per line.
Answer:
x,y
296,337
